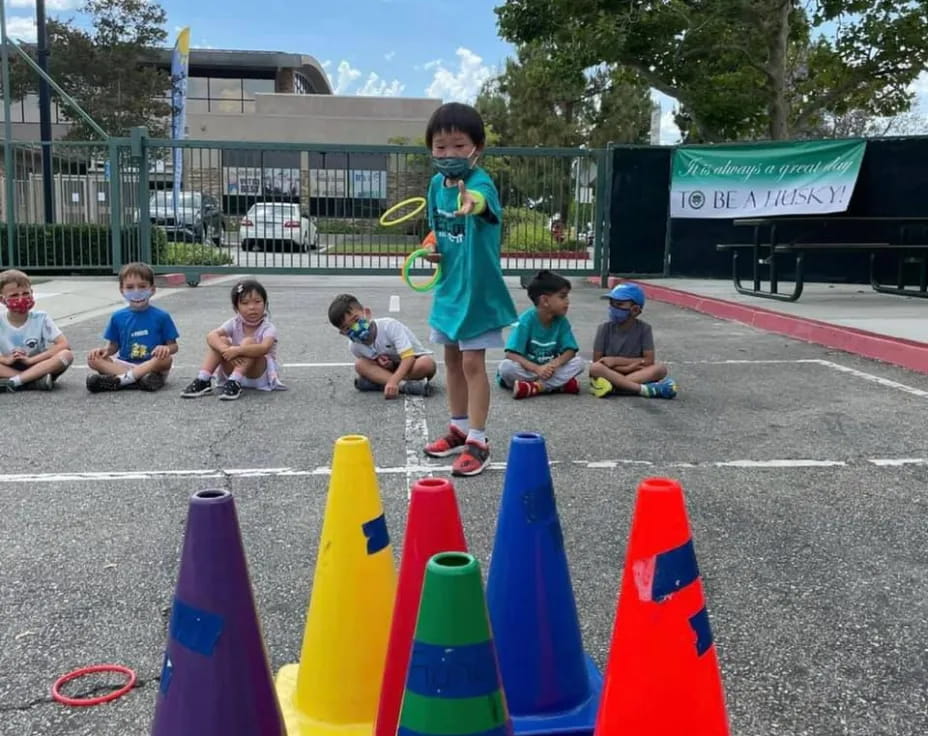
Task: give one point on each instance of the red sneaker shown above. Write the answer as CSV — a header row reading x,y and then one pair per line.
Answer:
x,y
472,461
450,444
524,389
571,387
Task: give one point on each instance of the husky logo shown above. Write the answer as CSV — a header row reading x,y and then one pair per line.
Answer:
x,y
32,343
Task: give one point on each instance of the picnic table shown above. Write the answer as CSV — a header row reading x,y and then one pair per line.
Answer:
x,y
765,249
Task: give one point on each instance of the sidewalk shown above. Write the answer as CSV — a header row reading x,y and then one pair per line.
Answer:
x,y
850,317
74,299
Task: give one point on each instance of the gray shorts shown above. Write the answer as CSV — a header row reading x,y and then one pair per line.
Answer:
x,y
484,341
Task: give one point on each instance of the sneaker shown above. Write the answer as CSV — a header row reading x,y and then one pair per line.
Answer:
x,y
600,387
230,391
525,389
663,389
6,385
45,383
451,444
499,380
151,382
416,388
472,461
97,382
197,387
363,384
571,387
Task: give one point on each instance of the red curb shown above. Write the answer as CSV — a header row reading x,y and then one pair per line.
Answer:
x,y
896,350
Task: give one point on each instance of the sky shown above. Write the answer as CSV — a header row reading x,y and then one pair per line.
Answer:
x,y
411,48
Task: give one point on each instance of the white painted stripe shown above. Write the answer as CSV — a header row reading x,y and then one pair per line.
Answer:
x,y
879,380
416,436
422,468
394,303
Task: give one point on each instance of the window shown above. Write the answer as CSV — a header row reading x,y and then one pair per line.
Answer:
x,y
251,87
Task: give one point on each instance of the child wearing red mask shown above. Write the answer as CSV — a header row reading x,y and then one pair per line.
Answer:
x,y
33,352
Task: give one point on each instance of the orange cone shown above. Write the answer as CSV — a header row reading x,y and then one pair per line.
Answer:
x,y
662,677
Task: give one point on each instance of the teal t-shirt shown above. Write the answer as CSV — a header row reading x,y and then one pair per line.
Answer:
x,y
540,344
471,298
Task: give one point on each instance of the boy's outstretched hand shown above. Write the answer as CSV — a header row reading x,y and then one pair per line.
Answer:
x,y
466,201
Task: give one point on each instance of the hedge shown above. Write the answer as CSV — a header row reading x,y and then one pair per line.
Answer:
x,y
75,247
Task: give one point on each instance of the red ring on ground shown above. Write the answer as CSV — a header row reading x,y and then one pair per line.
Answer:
x,y
80,672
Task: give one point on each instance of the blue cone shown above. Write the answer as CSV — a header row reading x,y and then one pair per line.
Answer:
x,y
551,685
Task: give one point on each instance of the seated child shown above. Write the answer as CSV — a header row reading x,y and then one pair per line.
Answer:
x,y
144,336
390,357
541,352
33,352
623,351
243,350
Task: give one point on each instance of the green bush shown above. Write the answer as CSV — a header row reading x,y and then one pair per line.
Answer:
x,y
74,247
194,254
527,231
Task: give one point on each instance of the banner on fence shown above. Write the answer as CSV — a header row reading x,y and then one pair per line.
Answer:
x,y
764,180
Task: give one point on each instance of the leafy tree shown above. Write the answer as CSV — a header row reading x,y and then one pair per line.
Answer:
x,y
103,69
744,68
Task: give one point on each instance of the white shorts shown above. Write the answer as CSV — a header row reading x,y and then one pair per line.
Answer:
x,y
484,341
267,381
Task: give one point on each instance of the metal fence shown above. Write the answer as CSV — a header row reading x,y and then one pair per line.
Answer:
x,y
248,207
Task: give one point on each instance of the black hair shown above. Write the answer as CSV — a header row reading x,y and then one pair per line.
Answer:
x,y
456,116
245,287
546,282
340,307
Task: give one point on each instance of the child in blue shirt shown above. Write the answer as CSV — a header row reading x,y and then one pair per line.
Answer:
x,y
472,304
144,336
541,353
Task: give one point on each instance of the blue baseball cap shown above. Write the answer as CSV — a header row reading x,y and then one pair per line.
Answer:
x,y
627,293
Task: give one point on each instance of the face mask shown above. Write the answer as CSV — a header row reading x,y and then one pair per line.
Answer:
x,y
453,167
138,299
20,304
252,323
360,331
618,315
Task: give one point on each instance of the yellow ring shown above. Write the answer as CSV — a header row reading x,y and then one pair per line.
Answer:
x,y
394,208
404,271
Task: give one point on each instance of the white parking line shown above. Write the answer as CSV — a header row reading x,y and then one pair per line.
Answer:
x,y
421,468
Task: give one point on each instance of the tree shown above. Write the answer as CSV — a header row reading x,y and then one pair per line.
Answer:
x,y
744,68
104,69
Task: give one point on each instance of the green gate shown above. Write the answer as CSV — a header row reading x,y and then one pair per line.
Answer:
x,y
289,208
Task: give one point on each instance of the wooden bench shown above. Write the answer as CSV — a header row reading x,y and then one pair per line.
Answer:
x,y
906,253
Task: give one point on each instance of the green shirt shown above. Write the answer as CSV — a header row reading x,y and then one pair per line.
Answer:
x,y
539,343
471,297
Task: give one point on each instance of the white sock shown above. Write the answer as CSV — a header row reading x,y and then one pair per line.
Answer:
x,y
16,381
477,435
127,379
205,376
460,423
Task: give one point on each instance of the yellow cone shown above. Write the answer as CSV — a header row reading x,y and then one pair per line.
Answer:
x,y
335,688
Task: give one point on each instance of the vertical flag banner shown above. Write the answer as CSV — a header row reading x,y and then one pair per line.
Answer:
x,y
727,182
179,70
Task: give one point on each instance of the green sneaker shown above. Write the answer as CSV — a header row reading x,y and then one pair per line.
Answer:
x,y
600,387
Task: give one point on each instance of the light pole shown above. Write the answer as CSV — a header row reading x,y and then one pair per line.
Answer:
x,y
45,113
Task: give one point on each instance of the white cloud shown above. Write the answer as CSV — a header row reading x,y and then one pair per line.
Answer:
x,y
49,4
920,88
670,133
461,85
345,76
377,87
389,55
21,28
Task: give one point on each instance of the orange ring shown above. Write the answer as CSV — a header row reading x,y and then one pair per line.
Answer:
x,y
80,672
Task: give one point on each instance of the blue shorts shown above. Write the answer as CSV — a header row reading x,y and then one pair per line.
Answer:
x,y
484,341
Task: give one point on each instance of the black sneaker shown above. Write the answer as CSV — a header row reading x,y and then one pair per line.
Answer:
x,y
363,384
151,382
416,388
197,387
231,391
7,385
97,382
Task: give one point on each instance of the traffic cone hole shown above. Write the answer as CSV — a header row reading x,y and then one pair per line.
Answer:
x,y
433,482
528,436
660,484
352,439
218,493
453,559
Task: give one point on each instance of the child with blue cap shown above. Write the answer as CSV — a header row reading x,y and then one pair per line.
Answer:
x,y
623,351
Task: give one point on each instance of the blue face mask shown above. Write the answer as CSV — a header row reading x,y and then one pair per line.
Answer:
x,y
618,315
452,167
360,331
138,299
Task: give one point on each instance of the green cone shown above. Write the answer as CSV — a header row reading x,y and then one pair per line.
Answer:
x,y
453,686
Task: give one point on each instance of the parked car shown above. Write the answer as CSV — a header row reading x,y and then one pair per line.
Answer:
x,y
196,216
277,223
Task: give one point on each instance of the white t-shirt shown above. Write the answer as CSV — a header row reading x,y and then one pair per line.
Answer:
x,y
34,337
393,338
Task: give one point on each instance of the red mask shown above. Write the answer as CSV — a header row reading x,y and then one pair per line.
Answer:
x,y
20,304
